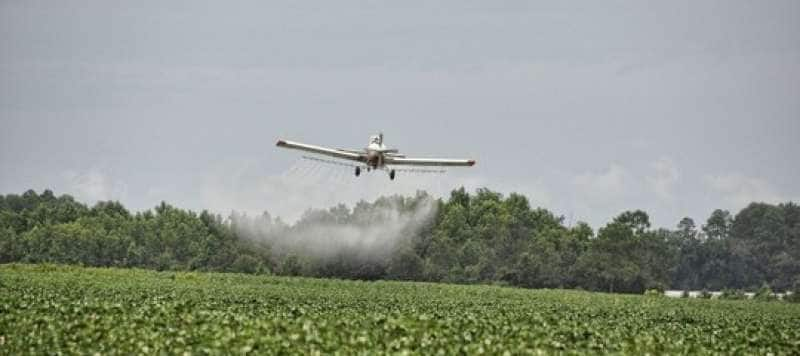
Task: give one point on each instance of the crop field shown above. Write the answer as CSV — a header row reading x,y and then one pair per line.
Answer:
x,y
58,309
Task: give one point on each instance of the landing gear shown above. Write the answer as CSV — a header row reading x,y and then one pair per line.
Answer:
x,y
391,175
358,171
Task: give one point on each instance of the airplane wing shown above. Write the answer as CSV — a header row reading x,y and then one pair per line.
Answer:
x,y
358,152
332,152
436,162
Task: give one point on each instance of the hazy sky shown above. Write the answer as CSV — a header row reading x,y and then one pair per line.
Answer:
x,y
588,108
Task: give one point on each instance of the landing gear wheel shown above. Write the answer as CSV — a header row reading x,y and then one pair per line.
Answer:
x,y
391,175
358,171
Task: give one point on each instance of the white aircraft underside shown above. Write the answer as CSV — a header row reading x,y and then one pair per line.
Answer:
x,y
376,156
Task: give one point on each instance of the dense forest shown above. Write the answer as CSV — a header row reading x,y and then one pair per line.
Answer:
x,y
480,237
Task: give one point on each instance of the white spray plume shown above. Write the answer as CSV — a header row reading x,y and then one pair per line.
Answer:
x,y
368,232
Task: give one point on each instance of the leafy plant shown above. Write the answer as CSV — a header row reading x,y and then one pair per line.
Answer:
x,y
653,293
74,310
765,294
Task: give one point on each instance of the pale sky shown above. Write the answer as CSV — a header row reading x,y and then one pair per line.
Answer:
x,y
588,108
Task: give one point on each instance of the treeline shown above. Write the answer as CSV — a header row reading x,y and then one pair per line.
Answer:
x,y
481,237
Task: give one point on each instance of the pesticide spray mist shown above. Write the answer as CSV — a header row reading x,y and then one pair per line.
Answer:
x,y
370,233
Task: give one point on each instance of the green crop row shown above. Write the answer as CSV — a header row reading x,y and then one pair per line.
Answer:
x,y
72,310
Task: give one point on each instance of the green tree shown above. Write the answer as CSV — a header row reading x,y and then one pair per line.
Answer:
x,y
718,224
405,264
11,246
247,264
582,231
636,220
687,228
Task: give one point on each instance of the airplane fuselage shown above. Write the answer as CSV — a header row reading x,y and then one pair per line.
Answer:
x,y
374,159
375,152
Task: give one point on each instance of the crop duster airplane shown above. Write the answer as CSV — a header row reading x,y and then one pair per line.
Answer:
x,y
377,156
